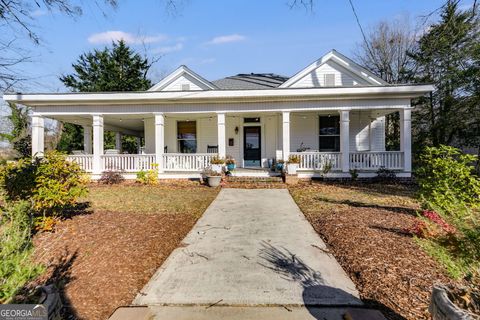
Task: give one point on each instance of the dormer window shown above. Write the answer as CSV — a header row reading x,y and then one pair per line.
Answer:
x,y
185,87
329,80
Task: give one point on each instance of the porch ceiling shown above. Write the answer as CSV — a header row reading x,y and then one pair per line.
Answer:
x,y
126,124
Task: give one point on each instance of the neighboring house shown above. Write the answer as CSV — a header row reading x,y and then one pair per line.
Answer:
x,y
331,112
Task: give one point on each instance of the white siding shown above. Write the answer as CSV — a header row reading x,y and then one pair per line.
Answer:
x,y
270,136
316,78
171,134
377,132
303,128
231,123
176,85
149,131
207,133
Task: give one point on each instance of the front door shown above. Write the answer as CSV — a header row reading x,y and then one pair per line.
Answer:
x,y
252,149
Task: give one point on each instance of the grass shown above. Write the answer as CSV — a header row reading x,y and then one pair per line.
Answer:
x,y
173,198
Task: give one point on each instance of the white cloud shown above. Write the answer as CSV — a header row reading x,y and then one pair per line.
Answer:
x,y
168,49
109,36
227,39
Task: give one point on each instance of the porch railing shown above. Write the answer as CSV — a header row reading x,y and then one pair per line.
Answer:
x,y
85,161
374,160
187,161
318,160
127,162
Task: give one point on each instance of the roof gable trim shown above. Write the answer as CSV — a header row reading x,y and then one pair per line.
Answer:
x,y
186,72
341,60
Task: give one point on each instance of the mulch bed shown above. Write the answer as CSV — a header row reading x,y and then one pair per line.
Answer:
x,y
391,272
103,259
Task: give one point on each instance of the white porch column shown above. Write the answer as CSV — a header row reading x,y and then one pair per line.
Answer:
x,y
345,139
406,138
286,134
38,136
118,141
139,145
87,139
97,143
222,148
159,139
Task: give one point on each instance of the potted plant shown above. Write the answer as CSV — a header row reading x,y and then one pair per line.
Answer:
x,y
279,165
292,165
213,177
217,164
230,162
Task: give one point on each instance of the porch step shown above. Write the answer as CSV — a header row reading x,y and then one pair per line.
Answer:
x,y
254,179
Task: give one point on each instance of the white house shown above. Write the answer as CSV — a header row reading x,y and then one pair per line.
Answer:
x,y
331,112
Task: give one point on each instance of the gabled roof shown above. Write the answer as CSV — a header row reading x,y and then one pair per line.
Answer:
x,y
250,81
183,71
335,56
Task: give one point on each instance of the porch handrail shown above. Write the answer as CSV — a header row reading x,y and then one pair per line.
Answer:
x,y
187,161
314,160
85,161
374,160
127,162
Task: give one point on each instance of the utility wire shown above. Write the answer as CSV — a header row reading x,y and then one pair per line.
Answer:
x,y
361,29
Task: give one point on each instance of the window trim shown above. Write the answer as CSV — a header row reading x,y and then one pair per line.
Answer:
x,y
184,139
327,135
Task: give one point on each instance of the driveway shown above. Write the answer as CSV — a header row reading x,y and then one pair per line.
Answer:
x,y
251,248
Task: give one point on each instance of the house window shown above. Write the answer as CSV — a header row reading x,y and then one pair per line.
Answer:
x,y
251,120
329,135
187,136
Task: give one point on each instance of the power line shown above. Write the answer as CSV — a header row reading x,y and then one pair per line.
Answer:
x,y
361,29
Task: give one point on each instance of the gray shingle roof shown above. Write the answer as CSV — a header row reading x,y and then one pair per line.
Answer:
x,y
250,81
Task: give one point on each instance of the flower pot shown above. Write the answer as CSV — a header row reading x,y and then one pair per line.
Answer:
x,y
214,181
217,168
231,166
292,168
279,166
442,308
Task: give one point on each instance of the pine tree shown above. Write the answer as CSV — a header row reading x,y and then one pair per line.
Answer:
x,y
117,68
446,56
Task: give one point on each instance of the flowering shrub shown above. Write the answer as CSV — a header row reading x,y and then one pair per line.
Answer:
x,y
431,225
149,177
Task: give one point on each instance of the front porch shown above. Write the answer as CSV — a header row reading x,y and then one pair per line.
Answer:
x,y
183,145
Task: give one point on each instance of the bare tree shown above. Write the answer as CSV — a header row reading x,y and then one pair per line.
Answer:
x,y
17,19
385,51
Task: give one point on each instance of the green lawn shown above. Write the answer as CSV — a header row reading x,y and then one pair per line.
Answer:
x,y
173,198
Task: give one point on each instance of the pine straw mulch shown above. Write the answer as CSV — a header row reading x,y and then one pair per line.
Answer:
x,y
363,225
103,257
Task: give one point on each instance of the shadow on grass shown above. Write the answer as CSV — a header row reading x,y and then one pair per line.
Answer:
x,y
397,231
358,204
317,296
82,208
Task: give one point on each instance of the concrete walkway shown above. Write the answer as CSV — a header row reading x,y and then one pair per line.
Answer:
x,y
251,248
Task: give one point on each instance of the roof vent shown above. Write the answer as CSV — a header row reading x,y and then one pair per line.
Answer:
x,y
329,80
185,87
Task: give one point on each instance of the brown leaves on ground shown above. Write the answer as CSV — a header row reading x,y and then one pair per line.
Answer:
x,y
104,257
364,227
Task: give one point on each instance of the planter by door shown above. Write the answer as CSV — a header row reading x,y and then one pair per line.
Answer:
x,y
214,181
292,168
231,166
217,168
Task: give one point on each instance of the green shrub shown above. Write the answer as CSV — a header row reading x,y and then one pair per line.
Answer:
x,y
149,177
16,267
51,183
446,178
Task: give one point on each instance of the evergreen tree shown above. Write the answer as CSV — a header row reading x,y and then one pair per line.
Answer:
x,y
448,56
118,68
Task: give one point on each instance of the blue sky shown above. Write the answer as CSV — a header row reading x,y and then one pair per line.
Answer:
x,y
215,38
